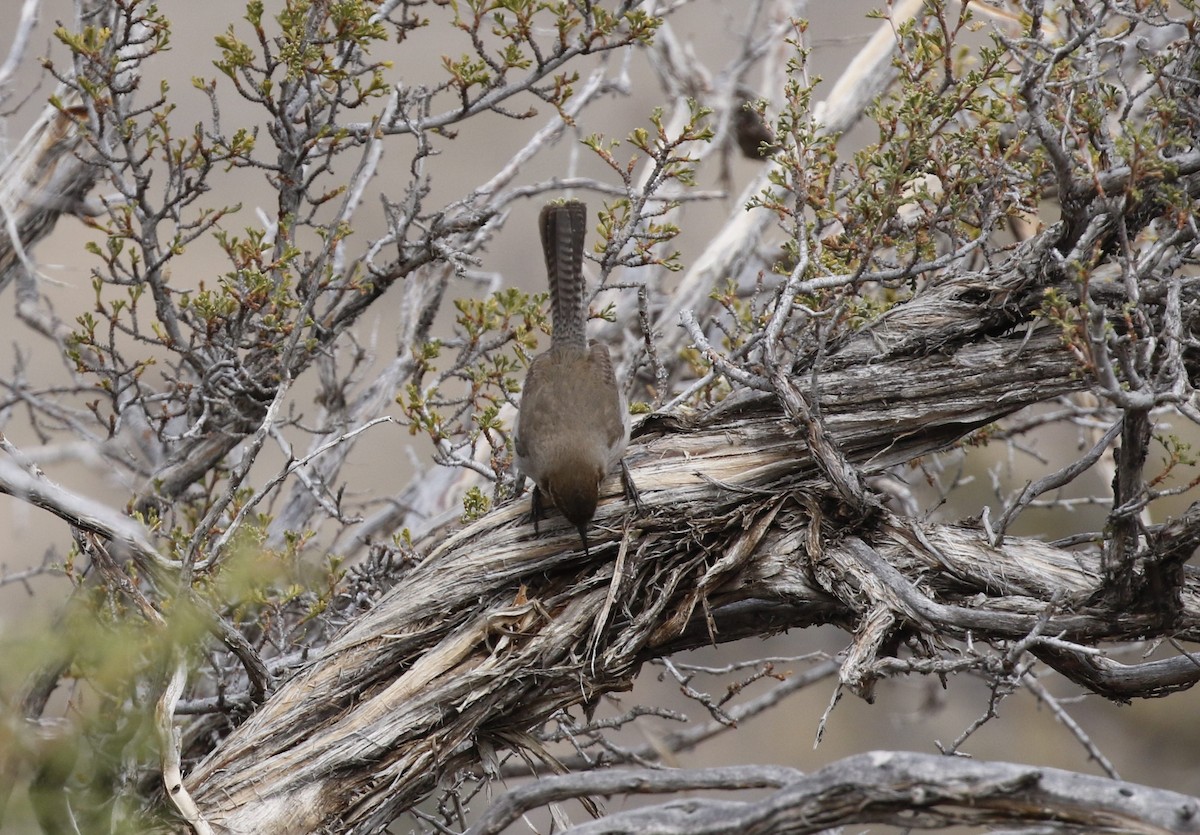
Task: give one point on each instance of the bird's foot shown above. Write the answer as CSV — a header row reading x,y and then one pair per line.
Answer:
x,y
631,491
535,512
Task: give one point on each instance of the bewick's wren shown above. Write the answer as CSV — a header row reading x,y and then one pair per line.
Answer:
x,y
573,424
753,134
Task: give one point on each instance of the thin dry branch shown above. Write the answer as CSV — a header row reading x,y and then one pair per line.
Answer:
x,y
915,791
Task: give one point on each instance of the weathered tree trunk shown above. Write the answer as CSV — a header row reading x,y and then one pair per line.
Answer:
x,y
740,533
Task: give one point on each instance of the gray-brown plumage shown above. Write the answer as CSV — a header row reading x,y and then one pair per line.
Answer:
x,y
753,135
573,425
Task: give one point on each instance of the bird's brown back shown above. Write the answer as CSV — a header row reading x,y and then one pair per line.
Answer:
x,y
574,392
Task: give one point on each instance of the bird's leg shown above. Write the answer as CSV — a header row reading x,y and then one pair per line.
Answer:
x,y
583,538
631,491
535,513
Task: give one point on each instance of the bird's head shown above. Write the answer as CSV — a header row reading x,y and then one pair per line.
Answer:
x,y
575,492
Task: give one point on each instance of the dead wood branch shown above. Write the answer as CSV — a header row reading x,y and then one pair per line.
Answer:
x,y
489,634
915,791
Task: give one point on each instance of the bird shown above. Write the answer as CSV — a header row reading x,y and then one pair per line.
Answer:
x,y
753,134
573,424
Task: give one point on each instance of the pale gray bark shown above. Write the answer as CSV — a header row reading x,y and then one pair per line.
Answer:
x,y
919,791
451,660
